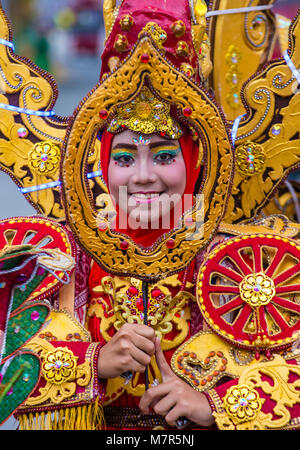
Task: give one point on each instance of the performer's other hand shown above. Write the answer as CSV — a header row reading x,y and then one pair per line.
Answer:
x,y
174,398
130,349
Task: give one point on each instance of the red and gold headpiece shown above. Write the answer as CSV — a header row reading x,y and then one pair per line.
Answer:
x,y
178,30
180,41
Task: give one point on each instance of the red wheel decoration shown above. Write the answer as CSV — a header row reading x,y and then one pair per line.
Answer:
x,y
249,291
41,234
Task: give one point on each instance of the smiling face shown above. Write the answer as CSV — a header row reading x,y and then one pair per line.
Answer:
x,y
146,177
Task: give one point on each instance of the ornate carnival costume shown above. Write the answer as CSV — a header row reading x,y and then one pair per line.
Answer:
x,y
238,269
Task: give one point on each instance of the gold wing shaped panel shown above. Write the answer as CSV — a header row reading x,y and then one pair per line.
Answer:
x,y
30,143
268,140
241,44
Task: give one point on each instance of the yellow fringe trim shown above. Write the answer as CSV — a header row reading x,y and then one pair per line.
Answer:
x,y
86,417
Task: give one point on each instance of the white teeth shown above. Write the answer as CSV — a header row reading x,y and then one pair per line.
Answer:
x,y
140,195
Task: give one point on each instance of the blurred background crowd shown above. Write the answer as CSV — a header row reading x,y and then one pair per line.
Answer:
x,y
64,37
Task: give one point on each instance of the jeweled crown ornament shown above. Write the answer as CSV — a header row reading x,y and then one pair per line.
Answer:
x,y
146,114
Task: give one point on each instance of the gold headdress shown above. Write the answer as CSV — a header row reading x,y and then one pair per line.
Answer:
x,y
146,114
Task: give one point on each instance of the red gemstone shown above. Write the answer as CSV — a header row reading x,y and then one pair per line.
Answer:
x,y
170,243
103,114
124,245
268,354
133,290
156,293
187,112
145,58
139,304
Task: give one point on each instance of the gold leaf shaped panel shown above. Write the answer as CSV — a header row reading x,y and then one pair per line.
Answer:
x,y
27,87
269,131
240,45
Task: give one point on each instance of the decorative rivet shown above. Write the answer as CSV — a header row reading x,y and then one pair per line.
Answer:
x,y
113,63
126,22
178,28
276,130
22,132
26,377
170,243
182,49
124,245
187,69
35,316
102,226
121,43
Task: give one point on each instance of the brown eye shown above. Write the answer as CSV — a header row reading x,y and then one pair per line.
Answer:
x,y
165,156
124,160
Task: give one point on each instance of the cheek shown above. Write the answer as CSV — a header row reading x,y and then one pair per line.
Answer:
x,y
174,176
117,176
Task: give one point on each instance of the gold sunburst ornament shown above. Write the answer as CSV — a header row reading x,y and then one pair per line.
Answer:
x,y
44,158
242,403
250,159
59,366
257,289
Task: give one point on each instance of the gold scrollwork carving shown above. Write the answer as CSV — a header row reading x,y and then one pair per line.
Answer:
x,y
254,34
33,89
277,135
60,380
273,379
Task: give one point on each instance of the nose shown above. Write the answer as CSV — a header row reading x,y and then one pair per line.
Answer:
x,y
145,172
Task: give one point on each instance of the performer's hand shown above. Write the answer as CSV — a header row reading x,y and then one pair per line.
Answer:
x,y
174,398
130,349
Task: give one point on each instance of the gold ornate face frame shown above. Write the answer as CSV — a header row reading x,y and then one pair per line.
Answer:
x,y
115,252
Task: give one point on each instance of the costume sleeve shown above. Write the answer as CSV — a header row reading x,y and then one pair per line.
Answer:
x,y
266,396
69,394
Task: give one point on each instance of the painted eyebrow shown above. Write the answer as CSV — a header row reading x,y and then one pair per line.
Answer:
x,y
163,144
127,146
153,145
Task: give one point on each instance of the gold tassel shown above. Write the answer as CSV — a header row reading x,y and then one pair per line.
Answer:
x,y
48,424
78,419
86,417
67,413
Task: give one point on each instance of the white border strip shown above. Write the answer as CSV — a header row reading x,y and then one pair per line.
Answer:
x,y
29,112
292,66
235,127
222,12
7,43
